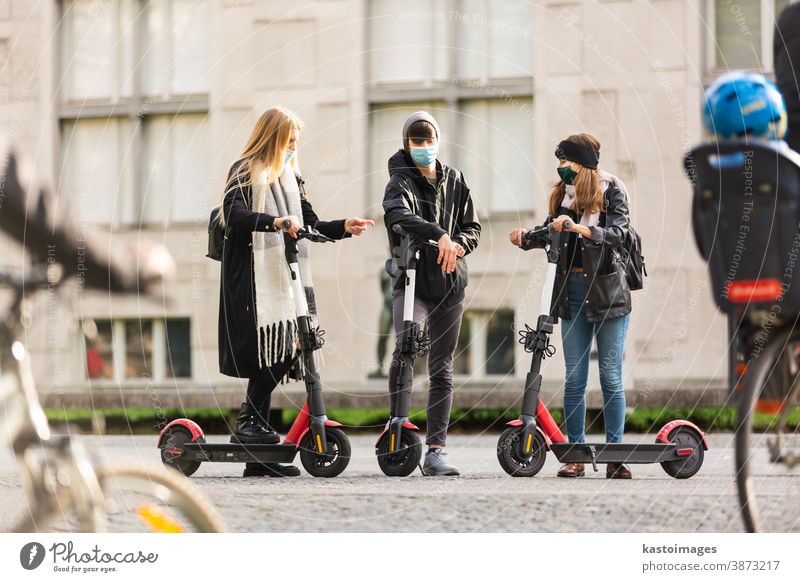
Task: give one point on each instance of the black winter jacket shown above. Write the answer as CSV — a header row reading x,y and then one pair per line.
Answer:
x,y
786,51
607,291
429,212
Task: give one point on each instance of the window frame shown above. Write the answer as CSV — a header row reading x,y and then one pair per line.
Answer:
x,y
767,35
158,356
137,108
453,92
478,321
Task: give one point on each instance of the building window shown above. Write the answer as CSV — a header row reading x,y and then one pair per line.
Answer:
x,y
426,42
486,344
409,42
468,62
743,32
134,105
127,350
99,350
496,153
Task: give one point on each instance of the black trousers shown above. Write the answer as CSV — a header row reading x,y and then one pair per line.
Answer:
x,y
259,390
444,324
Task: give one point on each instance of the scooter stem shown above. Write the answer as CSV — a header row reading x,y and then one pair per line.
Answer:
x,y
309,342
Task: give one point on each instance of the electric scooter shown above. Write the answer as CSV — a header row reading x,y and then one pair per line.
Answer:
x,y
398,448
522,447
323,446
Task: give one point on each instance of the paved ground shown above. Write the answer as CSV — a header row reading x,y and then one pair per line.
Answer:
x,y
483,499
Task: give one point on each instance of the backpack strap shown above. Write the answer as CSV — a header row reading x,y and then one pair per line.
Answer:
x,y
602,220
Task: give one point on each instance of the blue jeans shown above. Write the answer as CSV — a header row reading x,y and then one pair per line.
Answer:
x,y
576,334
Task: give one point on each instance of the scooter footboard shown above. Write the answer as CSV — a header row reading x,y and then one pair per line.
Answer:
x,y
632,454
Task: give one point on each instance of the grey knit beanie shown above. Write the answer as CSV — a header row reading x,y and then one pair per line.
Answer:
x,y
418,116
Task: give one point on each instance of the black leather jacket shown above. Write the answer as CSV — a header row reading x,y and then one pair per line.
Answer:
x,y
607,291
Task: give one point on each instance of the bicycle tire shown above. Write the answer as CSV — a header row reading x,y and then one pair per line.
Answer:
x,y
170,487
759,371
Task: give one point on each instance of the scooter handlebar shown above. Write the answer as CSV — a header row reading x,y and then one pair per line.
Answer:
x,y
545,231
403,232
308,233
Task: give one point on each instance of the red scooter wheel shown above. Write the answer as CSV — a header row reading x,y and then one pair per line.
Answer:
x,y
172,449
685,438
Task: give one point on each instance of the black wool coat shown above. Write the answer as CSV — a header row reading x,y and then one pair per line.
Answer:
x,y
238,339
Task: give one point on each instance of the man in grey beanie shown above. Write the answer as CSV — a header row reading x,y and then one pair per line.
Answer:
x,y
431,201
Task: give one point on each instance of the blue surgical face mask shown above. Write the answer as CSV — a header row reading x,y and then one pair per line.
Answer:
x,y
287,155
424,156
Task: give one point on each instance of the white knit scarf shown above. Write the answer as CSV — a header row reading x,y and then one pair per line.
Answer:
x,y
276,317
591,219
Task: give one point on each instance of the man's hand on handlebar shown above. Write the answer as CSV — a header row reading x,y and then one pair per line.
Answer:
x,y
447,254
288,224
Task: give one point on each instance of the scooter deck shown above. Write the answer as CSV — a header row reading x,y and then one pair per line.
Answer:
x,y
616,453
238,453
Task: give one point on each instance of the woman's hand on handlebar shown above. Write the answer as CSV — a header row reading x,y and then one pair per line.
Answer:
x,y
288,224
356,226
515,236
447,254
563,222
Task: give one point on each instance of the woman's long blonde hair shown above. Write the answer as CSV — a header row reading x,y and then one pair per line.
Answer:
x,y
263,154
588,194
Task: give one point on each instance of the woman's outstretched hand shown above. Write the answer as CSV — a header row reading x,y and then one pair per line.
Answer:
x,y
356,226
288,224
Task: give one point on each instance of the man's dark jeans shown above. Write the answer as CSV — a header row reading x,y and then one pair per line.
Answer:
x,y
444,324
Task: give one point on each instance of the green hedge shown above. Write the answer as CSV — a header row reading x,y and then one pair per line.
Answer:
x,y
642,420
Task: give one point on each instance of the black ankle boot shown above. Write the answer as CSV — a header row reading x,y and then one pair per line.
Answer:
x,y
248,429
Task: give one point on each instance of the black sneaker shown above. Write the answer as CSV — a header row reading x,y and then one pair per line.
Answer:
x,y
270,470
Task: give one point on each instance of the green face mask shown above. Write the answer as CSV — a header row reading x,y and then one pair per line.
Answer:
x,y
566,174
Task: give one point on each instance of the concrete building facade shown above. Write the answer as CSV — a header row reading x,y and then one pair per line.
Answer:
x,y
135,110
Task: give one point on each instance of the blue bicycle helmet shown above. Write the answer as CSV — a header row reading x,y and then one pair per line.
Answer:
x,y
741,103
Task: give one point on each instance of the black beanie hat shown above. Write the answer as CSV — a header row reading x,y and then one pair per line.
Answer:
x,y
575,152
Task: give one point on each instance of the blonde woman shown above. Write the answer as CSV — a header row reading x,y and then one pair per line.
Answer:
x,y
264,197
591,296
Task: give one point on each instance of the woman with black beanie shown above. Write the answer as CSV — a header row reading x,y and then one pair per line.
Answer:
x,y
591,295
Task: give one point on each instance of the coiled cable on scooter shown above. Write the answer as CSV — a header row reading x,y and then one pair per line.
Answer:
x,y
533,341
422,344
314,339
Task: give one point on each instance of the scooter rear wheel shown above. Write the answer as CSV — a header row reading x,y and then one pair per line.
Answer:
x,y
173,440
331,463
512,458
402,462
685,437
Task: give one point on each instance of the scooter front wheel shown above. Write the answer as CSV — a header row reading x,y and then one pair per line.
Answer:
x,y
172,449
512,457
330,463
404,460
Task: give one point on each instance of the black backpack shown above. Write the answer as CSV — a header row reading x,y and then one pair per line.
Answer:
x,y
216,235
632,257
